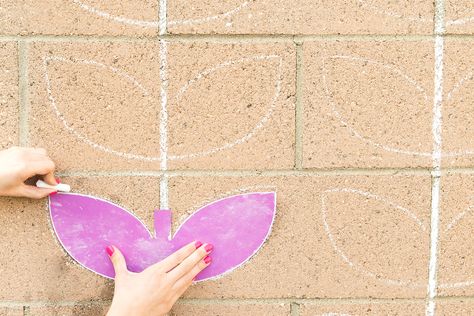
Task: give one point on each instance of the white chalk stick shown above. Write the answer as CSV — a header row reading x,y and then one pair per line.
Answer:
x,y
60,187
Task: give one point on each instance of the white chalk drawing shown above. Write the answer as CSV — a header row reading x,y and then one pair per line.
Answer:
x,y
353,263
67,125
260,124
350,261
416,87
460,21
247,135
156,23
354,132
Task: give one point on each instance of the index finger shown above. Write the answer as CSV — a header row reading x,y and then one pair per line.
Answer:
x,y
176,258
39,167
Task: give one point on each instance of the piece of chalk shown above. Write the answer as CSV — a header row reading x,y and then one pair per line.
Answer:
x,y
60,187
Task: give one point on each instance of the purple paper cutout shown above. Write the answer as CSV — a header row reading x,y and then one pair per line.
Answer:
x,y
237,226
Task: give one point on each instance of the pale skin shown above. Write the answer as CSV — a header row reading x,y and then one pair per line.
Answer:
x,y
150,292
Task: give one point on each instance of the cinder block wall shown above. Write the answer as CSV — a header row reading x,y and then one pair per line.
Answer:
x,y
358,113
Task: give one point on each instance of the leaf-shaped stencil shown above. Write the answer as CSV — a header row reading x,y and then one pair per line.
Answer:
x,y
88,97
377,237
140,13
237,226
458,118
224,106
379,104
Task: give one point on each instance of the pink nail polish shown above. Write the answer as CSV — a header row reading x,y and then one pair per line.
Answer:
x,y
207,260
110,250
58,180
197,244
53,193
208,248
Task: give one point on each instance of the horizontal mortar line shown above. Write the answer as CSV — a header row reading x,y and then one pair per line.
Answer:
x,y
224,37
237,301
240,173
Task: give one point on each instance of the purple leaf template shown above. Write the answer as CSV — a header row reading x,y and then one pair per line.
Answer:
x,y
237,226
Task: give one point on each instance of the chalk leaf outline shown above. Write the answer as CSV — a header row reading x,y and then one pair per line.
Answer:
x,y
416,88
203,75
353,262
409,215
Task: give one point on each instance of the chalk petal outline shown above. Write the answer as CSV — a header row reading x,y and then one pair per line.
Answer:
x,y
247,135
61,219
349,261
155,23
353,130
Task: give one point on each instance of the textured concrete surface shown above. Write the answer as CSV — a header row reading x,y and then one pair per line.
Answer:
x,y
9,114
357,113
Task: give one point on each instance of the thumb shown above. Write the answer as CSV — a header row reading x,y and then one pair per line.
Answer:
x,y
118,260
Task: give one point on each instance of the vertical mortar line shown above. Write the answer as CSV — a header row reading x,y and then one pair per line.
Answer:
x,y
294,309
164,188
299,107
23,137
437,153
26,310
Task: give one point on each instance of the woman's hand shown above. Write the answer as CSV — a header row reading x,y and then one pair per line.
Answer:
x,y
19,164
157,288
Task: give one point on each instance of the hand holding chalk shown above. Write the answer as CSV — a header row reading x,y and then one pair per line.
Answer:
x,y
60,187
19,164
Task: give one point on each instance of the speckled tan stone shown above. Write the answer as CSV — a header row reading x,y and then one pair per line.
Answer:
x,y
83,17
231,106
11,311
361,309
461,307
456,251
228,309
367,104
74,310
383,234
9,107
300,17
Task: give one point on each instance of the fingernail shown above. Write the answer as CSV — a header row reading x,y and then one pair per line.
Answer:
x,y
110,250
53,193
197,244
207,260
208,248
58,181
